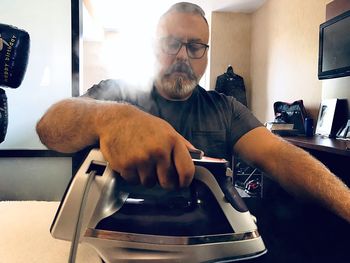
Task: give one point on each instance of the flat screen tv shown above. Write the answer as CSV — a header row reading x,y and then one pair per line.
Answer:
x,y
334,47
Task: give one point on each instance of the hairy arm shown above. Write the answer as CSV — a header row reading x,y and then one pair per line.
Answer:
x,y
295,170
69,125
142,148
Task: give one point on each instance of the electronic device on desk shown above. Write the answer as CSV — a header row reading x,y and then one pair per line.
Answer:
x,y
344,132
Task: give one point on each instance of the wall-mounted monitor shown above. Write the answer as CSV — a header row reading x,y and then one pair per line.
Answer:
x,y
334,47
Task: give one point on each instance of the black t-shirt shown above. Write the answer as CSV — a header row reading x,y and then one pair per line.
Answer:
x,y
211,121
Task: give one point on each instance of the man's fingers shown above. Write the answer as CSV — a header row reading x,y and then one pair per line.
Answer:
x,y
147,174
194,152
188,144
183,164
167,176
131,176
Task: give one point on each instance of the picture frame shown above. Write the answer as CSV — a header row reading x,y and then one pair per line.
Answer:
x,y
330,117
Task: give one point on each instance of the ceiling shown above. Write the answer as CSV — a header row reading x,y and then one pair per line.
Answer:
x,y
115,13
245,6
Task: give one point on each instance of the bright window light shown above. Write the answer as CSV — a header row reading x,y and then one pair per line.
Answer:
x,y
126,44
124,32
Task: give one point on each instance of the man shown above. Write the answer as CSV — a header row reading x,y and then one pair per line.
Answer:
x,y
147,139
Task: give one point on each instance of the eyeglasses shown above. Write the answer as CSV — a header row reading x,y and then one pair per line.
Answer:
x,y
172,46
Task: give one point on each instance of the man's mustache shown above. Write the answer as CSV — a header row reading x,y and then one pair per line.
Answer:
x,y
181,68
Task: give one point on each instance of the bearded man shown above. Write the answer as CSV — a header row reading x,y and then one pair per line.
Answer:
x,y
146,135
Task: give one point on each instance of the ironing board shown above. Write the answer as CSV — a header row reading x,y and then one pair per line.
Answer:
x,y
25,235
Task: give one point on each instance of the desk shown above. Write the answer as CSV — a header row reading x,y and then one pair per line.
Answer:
x,y
323,144
25,235
334,153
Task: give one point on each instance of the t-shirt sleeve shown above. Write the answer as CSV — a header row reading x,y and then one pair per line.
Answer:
x,y
242,120
105,90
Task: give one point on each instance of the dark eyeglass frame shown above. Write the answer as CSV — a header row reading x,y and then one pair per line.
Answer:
x,y
186,44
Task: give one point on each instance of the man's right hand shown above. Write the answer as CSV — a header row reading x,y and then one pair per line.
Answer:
x,y
142,148
146,149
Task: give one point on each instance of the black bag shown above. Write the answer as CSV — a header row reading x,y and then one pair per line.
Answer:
x,y
294,113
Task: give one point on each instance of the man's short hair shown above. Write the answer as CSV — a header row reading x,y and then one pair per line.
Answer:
x,y
187,7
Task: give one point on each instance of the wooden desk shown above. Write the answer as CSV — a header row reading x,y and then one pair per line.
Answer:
x,y
334,153
323,144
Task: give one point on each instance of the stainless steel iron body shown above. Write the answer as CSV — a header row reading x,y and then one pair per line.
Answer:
x,y
106,196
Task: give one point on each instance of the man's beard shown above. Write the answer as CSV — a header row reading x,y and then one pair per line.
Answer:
x,y
181,86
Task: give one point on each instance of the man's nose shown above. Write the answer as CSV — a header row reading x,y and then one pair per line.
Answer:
x,y
182,54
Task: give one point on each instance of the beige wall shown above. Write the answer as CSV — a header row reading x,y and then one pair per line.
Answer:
x,y
230,45
275,50
284,54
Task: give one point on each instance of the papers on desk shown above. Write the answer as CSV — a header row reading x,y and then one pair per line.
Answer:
x,y
282,129
273,126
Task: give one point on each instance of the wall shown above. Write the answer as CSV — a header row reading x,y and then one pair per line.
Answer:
x,y
284,55
336,88
38,178
230,45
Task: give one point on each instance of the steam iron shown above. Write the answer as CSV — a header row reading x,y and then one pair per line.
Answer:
x,y
206,222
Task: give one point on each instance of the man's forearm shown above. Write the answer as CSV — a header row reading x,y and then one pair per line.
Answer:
x,y
304,176
70,125
140,147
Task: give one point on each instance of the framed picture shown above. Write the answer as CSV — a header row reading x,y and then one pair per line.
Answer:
x,y
330,115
